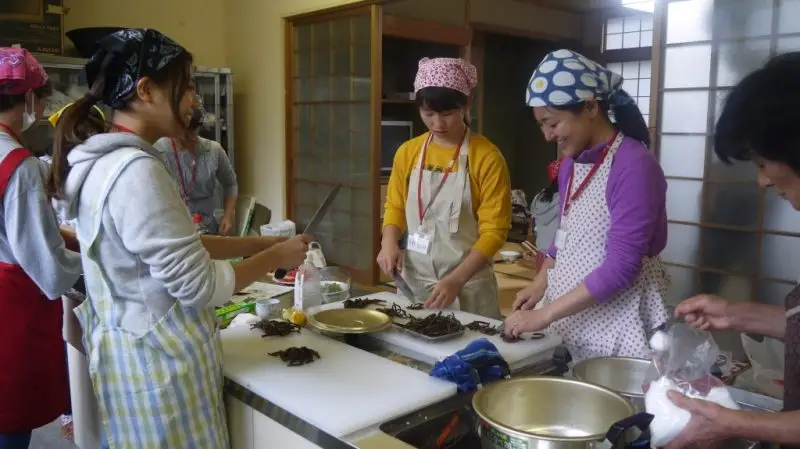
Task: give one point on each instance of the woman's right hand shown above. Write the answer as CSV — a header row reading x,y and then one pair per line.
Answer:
x,y
390,258
528,297
292,252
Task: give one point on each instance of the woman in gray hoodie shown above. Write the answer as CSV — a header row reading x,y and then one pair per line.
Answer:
x,y
149,325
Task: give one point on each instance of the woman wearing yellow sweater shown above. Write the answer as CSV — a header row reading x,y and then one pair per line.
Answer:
x,y
449,193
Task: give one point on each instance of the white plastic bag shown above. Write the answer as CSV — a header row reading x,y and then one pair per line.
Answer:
x,y
682,361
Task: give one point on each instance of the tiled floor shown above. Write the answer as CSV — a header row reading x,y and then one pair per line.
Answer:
x,y
49,437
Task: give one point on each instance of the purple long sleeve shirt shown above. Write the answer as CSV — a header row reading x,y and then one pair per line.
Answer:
x,y
636,195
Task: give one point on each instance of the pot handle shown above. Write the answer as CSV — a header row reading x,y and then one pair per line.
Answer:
x,y
618,429
499,361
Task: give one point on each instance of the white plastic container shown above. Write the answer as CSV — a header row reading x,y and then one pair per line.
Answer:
x,y
286,228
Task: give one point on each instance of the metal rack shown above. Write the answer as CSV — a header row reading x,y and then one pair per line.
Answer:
x,y
214,87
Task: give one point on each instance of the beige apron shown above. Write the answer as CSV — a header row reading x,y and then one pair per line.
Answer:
x,y
453,227
621,326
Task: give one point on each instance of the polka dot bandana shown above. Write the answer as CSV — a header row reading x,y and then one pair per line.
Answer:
x,y
565,77
453,73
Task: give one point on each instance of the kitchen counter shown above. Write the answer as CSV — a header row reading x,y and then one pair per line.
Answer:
x,y
257,422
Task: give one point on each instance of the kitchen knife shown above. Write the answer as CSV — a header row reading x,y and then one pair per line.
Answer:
x,y
314,223
322,211
404,288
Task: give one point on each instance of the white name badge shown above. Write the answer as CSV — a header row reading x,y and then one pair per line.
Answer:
x,y
561,238
419,243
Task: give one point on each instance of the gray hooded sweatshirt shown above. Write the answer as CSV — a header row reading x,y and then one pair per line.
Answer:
x,y
147,245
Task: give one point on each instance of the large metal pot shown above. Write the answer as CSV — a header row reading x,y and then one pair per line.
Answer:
x,y
621,375
543,412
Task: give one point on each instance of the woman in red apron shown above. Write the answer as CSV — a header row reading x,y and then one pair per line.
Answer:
x,y
758,123
35,266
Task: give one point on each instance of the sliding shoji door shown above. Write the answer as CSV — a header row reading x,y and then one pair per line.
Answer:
x,y
726,235
333,95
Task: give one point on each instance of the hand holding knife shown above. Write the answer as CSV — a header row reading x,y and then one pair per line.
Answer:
x,y
315,221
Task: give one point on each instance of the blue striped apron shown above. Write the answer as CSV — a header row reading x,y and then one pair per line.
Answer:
x,y
162,389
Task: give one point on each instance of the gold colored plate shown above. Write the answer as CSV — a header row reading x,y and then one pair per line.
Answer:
x,y
351,321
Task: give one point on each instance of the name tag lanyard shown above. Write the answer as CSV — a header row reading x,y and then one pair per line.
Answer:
x,y
423,211
570,198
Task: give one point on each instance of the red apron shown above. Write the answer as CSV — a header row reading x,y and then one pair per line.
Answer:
x,y
34,389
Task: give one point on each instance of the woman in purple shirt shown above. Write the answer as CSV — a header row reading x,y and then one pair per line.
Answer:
x,y
602,287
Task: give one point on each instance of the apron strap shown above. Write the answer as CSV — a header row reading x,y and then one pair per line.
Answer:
x,y
118,160
10,164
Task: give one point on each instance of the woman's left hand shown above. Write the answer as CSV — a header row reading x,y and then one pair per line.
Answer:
x,y
444,293
225,225
523,321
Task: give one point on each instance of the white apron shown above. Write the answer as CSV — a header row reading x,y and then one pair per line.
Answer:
x,y
622,325
163,388
451,223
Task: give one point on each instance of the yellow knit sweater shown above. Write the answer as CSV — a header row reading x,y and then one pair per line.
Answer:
x,y
489,181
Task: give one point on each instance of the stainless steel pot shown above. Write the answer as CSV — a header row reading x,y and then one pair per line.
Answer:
x,y
621,375
545,412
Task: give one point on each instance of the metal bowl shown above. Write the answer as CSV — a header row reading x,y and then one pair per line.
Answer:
x,y
623,375
545,411
350,321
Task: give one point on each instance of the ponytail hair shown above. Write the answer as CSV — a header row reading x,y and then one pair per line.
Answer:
x,y
74,127
629,119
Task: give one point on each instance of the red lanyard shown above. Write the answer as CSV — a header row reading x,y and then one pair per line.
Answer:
x,y
7,129
447,172
124,129
570,198
180,171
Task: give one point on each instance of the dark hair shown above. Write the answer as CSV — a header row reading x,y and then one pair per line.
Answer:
x,y
8,102
442,99
628,117
760,115
550,191
77,123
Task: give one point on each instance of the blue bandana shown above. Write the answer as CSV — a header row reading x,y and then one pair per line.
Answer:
x,y
565,77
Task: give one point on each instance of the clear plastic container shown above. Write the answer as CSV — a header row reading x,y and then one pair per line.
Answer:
x,y
334,284
307,287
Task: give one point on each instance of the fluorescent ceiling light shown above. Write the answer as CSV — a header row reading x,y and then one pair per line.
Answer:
x,y
641,5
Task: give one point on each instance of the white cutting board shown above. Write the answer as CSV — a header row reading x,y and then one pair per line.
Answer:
x,y
518,355
345,391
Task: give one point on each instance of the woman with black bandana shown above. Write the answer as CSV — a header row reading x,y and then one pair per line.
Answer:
x,y
149,325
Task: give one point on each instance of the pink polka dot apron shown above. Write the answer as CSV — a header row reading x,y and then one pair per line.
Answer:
x,y
622,325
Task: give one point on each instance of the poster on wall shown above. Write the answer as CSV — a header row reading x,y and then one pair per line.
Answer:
x,y
34,24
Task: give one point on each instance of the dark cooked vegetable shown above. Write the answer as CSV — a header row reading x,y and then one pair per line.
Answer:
x,y
361,303
434,325
275,328
483,327
395,311
296,356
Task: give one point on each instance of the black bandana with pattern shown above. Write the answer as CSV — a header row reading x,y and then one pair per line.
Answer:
x,y
125,57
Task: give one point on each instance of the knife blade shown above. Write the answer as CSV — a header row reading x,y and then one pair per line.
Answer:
x,y
322,211
404,288
314,223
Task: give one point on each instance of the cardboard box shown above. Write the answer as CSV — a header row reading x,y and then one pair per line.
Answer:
x,y
36,25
